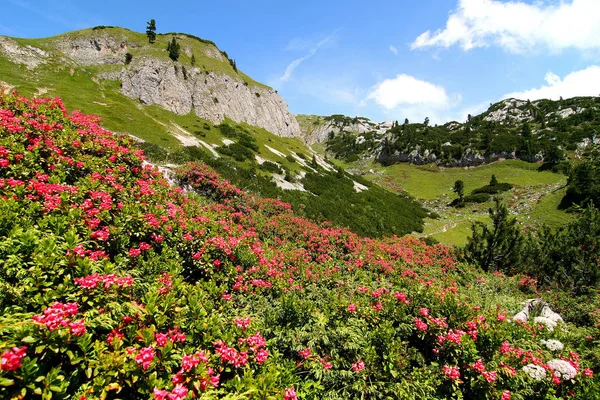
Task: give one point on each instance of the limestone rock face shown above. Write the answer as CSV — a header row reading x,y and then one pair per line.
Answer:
x,y
100,49
319,133
211,96
28,55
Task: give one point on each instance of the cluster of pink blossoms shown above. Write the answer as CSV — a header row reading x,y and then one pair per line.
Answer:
x,y
167,281
452,372
257,346
178,393
145,357
92,281
489,376
11,359
59,315
358,366
172,335
290,394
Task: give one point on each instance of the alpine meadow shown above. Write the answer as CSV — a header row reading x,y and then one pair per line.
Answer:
x,y
169,229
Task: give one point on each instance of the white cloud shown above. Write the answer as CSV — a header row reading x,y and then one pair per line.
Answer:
x,y
518,26
295,44
408,90
408,97
585,82
393,49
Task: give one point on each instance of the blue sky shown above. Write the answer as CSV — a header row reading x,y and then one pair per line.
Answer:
x,y
383,59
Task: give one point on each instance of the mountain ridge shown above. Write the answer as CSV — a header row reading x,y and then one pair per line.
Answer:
x,y
208,84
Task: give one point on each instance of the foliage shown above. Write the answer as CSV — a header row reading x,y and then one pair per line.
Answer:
x,y
567,256
128,58
116,285
459,189
151,31
497,247
583,185
174,49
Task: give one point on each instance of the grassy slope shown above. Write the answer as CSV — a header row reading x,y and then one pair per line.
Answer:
x,y
434,187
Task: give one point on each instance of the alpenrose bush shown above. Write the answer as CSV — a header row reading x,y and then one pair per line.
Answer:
x,y
115,285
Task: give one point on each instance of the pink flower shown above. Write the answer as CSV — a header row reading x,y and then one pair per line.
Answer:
x,y
588,372
161,339
11,359
478,366
290,394
453,373
133,252
242,323
424,312
401,297
351,308
358,366
490,376
145,357
505,395
305,353
420,324
77,328
261,356
180,392
160,394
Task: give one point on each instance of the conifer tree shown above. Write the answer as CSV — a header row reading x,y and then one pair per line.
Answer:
x,y
495,247
459,189
174,49
151,30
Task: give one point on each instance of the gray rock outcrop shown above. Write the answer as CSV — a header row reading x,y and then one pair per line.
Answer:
x,y
319,133
31,56
211,96
100,49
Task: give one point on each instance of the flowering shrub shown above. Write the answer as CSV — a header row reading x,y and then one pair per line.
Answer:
x,y
115,285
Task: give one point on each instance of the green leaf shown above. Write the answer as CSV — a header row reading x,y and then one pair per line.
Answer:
x,y
29,339
6,382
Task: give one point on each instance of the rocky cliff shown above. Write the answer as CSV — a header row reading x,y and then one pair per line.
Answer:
x,y
317,129
210,95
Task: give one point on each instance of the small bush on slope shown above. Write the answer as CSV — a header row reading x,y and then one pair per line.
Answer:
x,y
114,285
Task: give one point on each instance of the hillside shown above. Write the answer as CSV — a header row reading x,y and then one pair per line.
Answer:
x,y
541,130
208,111
211,87
424,160
115,284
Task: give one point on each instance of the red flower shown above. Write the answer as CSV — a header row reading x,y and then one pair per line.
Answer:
x,y
11,359
134,252
358,366
420,324
145,357
453,373
290,394
505,395
305,353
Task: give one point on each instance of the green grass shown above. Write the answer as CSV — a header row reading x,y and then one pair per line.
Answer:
x,y
429,182
534,200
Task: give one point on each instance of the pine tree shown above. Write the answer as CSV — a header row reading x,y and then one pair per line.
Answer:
x,y
459,189
174,49
151,30
193,60
495,247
